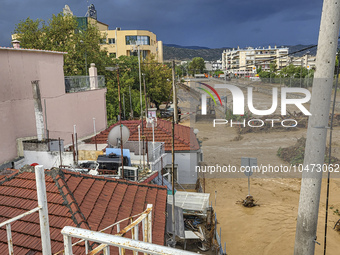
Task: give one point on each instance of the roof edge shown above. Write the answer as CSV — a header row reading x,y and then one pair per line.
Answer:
x,y
76,214
33,50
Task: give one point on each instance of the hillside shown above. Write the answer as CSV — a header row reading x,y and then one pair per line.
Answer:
x,y
177,52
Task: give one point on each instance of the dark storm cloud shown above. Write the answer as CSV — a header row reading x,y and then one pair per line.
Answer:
x,y
211,23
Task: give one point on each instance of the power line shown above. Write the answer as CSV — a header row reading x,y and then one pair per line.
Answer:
x,y
283,56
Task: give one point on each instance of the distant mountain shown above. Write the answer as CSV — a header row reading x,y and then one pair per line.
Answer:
x,y
300,47
186,47
177,52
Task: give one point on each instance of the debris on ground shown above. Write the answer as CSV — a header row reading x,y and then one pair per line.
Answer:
x,y
249,201
273,123
295,154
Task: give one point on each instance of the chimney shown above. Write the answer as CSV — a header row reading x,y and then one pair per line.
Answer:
x,y
93,76
39,119
16,44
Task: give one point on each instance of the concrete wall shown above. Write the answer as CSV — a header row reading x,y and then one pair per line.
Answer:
x,y
18,67
187,162
48,159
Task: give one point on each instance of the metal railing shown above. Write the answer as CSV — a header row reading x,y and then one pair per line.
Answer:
x,y
117,241
43,215
145,218
156,150
218,238
83,83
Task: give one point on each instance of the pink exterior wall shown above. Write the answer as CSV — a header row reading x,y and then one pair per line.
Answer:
x,y
18,67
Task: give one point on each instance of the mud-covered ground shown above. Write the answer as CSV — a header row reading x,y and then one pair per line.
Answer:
x,y
270,227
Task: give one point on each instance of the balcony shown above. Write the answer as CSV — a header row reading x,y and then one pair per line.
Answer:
x,y
83,83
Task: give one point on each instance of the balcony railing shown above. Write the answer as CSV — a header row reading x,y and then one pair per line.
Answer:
x,y
43,215
83,83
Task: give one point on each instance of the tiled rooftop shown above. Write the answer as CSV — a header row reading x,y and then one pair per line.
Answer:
x,y
185,139
86,201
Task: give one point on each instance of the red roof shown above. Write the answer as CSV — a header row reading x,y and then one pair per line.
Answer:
x,y
74,199
185,139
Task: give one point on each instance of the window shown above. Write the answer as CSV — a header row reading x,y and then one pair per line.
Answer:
x,y
111,40
137,40
112,55
144,53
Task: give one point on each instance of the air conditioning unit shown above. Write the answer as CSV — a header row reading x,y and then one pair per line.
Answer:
x,y
130,173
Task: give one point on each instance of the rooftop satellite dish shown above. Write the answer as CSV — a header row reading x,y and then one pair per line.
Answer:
x,y
114,136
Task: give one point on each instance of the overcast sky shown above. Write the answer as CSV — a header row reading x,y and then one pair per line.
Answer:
x,y
209,23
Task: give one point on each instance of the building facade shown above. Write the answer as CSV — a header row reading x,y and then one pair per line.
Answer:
x,y
246,61
213,65
59,108
120,42
306,61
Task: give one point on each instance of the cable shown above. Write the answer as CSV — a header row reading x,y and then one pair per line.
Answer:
x,y
330,152
283,56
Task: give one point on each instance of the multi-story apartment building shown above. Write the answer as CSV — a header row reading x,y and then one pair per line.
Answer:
x,y
307,61
120,42
245,61
126,42
213,65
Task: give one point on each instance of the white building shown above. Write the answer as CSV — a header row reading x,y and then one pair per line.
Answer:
x,y
245,61
307,61
213,65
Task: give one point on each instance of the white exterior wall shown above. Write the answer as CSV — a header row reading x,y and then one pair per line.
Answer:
x,y
187,162
48,159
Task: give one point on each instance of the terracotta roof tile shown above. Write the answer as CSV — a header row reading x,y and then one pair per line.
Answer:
x,y
185,139
75,200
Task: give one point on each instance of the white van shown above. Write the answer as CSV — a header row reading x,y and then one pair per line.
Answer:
x,y
254,78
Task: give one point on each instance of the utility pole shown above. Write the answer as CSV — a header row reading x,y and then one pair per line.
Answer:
x,y
174,98
120,125
301,72
131,111
140,86
307,218
173,183
146,102
120,116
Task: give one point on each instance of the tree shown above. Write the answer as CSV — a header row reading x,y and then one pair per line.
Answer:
x,y
197,65
62,33
158,79
295,72
268,74
128,80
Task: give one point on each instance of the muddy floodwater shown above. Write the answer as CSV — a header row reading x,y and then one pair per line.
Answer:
x,y
270,227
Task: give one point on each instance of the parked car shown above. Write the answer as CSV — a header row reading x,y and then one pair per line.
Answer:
x,y
167,113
